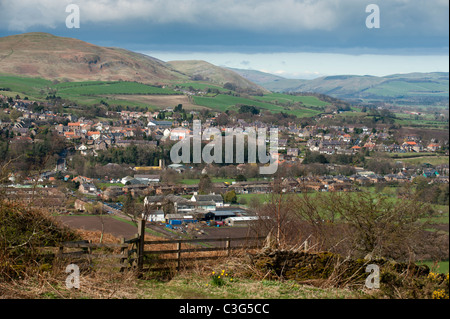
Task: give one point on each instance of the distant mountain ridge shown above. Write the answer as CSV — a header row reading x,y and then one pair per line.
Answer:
x,y
433,85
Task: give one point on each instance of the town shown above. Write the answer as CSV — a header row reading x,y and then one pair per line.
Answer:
x,y
87,161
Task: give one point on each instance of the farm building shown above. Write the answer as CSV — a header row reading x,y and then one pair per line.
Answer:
x,y
156,216
222,215
178,219
160,124
251,187
216,199
146,179
240,221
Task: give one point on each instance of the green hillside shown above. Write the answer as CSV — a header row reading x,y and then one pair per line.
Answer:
x,y
428,88
223,102
132,93
86,92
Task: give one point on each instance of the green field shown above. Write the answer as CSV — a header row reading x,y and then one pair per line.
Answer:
x,y
22,85
123,93
87,92
194,181
223,102
422,123
106,88
433,160
201,86
439,267
308,101
399,88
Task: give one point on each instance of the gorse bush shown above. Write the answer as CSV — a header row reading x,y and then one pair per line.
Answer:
x,y
23,231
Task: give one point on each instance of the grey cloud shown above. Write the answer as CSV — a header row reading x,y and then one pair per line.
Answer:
x,y
287,16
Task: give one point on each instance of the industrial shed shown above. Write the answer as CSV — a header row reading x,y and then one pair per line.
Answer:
x,y
178,219
240,221
155,216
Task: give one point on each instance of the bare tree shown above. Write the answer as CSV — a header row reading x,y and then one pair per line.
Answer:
x,y
352,224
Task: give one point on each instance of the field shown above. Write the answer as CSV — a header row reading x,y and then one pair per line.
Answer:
x,y
153,101
419,160
103,88
399,88
308,101
201,86
430,124
88,92
31,86
147,96
223,102
440,267
113,226
194,181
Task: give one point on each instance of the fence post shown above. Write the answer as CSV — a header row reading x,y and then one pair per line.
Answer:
x,y
60,251
178,255
228,246
140,244
123,252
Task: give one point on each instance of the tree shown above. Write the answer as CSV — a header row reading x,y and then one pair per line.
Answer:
x,y
178,108
222,119
230,197
248,109
205,185
368,223
14,115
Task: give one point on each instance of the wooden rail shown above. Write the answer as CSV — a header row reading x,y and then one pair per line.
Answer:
x,y
148,256
134,256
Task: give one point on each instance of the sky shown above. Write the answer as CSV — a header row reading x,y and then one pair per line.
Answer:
x,y
290,38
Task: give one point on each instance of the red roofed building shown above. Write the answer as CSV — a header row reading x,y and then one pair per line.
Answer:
x,y
93,135
433,147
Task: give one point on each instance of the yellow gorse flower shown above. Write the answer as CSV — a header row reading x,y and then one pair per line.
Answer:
x,y
432,275
439,294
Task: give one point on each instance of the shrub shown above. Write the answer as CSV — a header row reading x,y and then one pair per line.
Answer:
x,y
23,231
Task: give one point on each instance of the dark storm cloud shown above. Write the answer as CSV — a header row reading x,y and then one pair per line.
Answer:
x,y
417,26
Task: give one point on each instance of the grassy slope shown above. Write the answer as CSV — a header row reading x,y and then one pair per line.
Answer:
x,y
125,93
85,92
396,85
212,73
51,57
224,102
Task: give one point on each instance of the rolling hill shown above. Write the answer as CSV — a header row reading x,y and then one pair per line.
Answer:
x,y
205,71
429,87
42,55
41,66
55,58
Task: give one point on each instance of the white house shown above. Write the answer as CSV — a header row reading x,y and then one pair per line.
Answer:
x,y
155,216
179,133
217,199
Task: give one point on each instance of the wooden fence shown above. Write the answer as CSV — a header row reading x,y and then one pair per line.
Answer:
x,y
106,257
132,253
